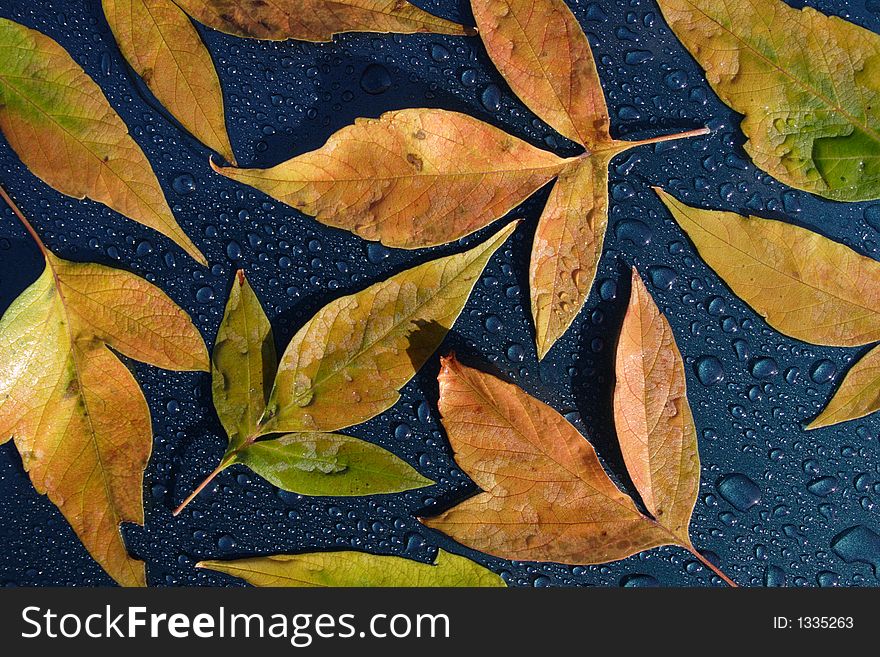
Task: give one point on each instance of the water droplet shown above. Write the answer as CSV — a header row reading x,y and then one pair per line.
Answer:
x,y
823,371
184,184
375,79
639,581
491,98
764,368
858,544
740,491
516,353
205,295
822,486
709,370
663,278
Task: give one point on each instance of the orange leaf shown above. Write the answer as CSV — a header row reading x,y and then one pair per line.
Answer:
x,y
410,179
654,424
542,52
78,417
63,128
163,47
546,496
314,20
567,247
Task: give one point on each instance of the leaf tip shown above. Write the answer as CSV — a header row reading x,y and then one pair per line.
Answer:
x,y
240,277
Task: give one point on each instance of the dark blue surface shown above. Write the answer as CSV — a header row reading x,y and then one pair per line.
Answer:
x,y
777,505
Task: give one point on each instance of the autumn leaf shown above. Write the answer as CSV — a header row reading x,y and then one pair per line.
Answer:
x,y
545,495
63,128
805,285
356,569
400,179
76,413
807,84
343,367
163,47
410,196
315,20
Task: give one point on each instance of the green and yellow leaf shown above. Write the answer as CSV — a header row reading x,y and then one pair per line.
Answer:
x,y
75,412
356,569
163,47
63,128
805,285
807,84
858,394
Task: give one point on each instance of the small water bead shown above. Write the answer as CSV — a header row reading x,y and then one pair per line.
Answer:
x,y
716,306
774,576
709,370
403,431
491,98
608,289
791,375
493,324
676,80
823,486
742,350
375,79
662,278
823,371
226,543
739,491
639,581
233,250
205,295
439,53
516,353
764,368
635,57
635,231
184,184
376,253
144,248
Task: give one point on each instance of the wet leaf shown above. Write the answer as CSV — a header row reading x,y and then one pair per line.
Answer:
x,y
545,495
163,47
411,195
315,20
76,413
652,417
807,84
542,52
401,179
858,394
244,363
567,247
805,285
329,464
356,569
347,364
63,128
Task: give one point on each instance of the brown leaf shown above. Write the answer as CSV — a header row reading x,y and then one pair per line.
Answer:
x,y
546,496
542,52
567,247
75,412
314,20
410,179
62,127
163,47
654,424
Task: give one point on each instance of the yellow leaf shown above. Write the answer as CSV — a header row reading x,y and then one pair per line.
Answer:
x,y
805,285
163,47
410,179
542,52
567,247
315,20
76,414
349,361
858,394
546,496
654,424
807,84
244,363
356,569
62,127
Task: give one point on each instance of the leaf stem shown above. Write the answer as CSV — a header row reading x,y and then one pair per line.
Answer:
x,y
681,135
18,213
711,566
220,468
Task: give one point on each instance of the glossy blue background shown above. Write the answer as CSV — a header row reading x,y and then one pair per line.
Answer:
x,y
777,505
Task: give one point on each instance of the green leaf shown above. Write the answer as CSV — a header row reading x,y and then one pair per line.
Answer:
x,y
244,363
347,364
329,464
356,569
808,85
